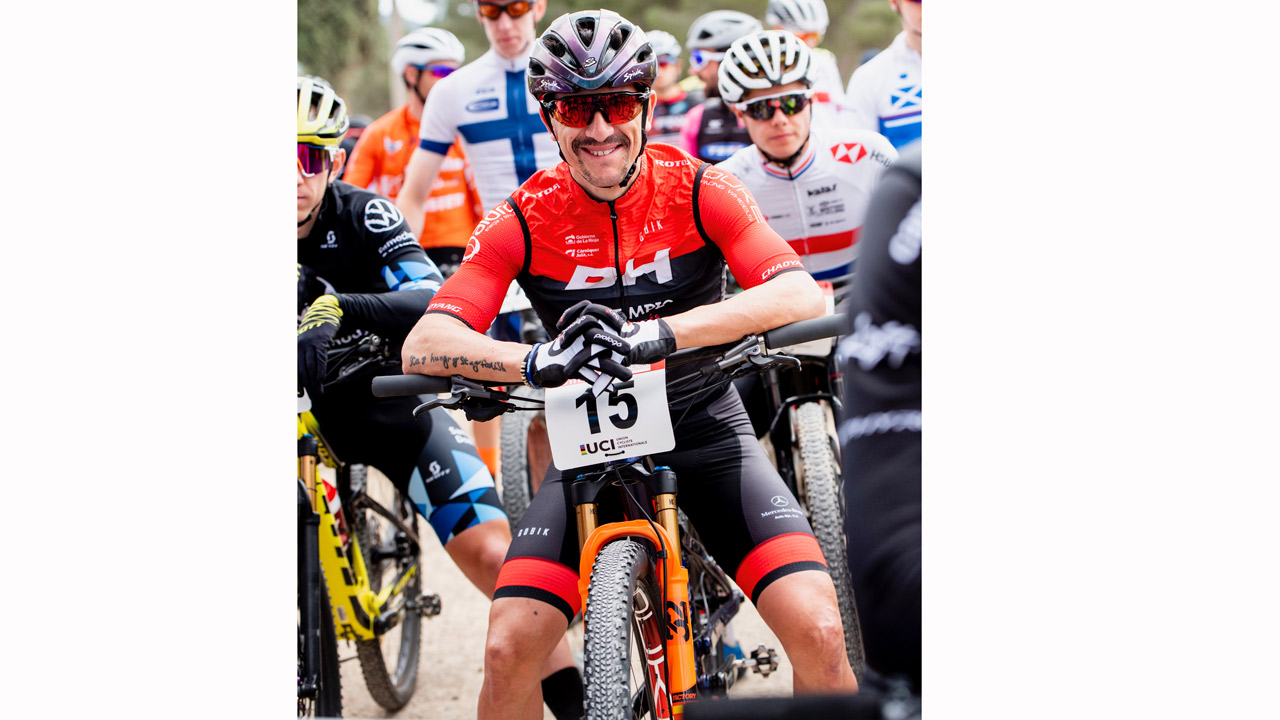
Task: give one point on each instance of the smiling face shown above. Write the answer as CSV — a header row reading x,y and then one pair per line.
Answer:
x,y
600,154
781,135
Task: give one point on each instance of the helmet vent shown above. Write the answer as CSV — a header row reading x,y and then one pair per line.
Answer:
x,y
586,29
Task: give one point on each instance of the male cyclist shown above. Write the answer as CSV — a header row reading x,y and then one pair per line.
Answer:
x,y
674,102
486,107
420,60
884,94
812,182
381,282
621,230
807,20
711,133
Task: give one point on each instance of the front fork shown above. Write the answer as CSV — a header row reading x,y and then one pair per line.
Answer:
x,y
680,672
309,570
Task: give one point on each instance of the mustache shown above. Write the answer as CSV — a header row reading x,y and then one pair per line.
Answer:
x,y
615,139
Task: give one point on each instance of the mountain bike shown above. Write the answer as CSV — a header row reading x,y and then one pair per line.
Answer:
x,y
523,440
656,604
358,572
801,401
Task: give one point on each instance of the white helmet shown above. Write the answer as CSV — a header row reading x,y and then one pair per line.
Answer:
x,y
719,28
763,60
663,43
426,45
807,16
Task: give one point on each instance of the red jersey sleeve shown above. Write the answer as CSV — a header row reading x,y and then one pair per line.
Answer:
x,y
493,258
733,221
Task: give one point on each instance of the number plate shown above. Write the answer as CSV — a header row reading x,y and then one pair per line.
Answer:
x,y
630,421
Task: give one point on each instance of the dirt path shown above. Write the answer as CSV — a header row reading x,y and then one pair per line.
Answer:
x,y
452,660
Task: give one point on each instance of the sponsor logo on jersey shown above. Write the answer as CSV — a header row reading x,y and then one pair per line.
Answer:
x,y
785,264
380,215
540,193
585,277
391,146
848,152
647,310
580,239
445,306
821,190
498,212
473,247
399,241
879,423
330,241
483,105
669,163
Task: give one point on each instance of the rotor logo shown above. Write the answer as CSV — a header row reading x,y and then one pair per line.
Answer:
x,y
779,501
380,215
473,247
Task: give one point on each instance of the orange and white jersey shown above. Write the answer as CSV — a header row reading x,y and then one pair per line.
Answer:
x,y
377,163
818,204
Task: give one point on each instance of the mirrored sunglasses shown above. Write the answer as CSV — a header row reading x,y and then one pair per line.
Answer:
x,y
764,108
699,57
493,11
313,159
577,111
437,70
665,60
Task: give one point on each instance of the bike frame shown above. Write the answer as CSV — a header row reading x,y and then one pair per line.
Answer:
x,y
358,612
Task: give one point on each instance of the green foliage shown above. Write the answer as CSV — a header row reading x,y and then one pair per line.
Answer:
x,y
344,42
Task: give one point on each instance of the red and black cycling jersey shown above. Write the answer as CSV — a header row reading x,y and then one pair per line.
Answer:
x,y
658,250
362,246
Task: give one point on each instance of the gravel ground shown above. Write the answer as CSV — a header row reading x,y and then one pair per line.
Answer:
x,y
451,665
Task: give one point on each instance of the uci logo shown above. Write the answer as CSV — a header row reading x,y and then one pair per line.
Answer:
x,y
380,215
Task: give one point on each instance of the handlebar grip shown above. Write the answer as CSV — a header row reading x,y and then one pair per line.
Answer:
x,y
401,385
806,330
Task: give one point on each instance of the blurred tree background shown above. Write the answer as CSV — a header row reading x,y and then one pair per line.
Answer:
x,y
348,42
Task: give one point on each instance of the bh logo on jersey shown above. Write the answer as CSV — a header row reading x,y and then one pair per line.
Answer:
x,y
380,215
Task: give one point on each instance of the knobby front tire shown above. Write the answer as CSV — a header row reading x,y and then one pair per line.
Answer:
x,y
820,474
517,488
389,662
624,614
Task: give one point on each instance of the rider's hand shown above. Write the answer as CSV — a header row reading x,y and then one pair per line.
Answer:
x,y
650,340
607,316
584,349
310,287
318,327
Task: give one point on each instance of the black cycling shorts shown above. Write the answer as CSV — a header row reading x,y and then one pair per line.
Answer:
x,y
745,515
429,458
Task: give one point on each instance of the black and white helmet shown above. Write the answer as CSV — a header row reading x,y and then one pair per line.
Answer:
x,y
663,43
798,16
763,60
719,28
426,45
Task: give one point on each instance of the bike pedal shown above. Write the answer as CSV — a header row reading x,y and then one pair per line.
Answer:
x,y
763,660
428,604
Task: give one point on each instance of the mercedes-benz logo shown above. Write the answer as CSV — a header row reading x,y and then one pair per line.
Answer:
x,y
779,501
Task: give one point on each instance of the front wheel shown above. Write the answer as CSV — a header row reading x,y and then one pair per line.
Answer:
x,y
626,654
819,476
390,661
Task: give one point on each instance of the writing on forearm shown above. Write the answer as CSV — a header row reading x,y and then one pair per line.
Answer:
x,y
449,362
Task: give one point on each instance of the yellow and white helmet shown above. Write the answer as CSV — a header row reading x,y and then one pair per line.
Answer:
x,y
322,115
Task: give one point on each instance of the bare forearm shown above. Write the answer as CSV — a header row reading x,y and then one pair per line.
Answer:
x,y
788,298
442,345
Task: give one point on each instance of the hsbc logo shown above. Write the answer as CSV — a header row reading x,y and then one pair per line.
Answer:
x,y
585,277
848,152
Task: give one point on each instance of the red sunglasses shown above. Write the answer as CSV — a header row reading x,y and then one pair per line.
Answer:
x,y
437,70
493,11
577,111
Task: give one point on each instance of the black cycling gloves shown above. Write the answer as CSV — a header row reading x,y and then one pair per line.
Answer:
x,y
597,341
318,327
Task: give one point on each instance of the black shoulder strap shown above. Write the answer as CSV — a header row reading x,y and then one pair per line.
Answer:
x,y
524,226
697,209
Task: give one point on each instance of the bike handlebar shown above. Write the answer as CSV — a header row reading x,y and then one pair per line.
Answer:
x,y
792,334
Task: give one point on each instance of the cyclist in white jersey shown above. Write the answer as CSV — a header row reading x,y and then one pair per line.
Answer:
x,y
812,184
486,104
884,94
807,20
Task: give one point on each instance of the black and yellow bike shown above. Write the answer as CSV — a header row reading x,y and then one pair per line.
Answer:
x,y
358,568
